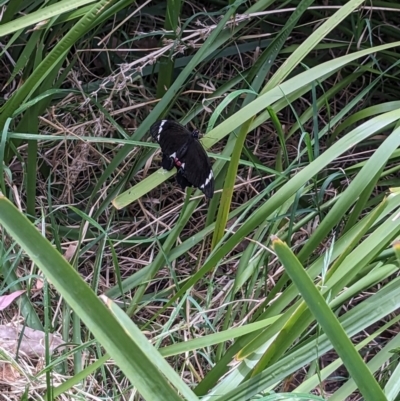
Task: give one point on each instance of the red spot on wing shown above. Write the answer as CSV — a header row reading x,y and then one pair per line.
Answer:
x,y
177,162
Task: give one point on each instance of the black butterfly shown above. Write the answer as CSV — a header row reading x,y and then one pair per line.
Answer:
x,y
182,149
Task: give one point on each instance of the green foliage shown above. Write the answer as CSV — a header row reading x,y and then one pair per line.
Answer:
x,y
285,285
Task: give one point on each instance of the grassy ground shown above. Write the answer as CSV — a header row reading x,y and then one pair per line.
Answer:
x,y
284,285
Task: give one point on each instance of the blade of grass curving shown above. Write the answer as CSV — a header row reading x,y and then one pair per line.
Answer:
x,y
332,328
328,94
43,14
315,380
230,97
382,358
151,352
357,186
136,365
362,316
226,198
263,65
363,114
80,377
283,278
342,246
50,61
216,338
302,318
305,47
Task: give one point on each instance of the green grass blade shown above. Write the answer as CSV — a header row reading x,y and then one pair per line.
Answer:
x,y
135,363
48,64
329,323
41,15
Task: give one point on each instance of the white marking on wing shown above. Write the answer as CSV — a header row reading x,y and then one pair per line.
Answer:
x,y
183,165
160,127
208,179
173,155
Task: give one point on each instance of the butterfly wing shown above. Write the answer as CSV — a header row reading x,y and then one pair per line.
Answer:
x,y
172,137
181,149
167,163
196,169
182,180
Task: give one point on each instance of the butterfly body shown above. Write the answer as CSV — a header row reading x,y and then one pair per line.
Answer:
x,y
182,149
